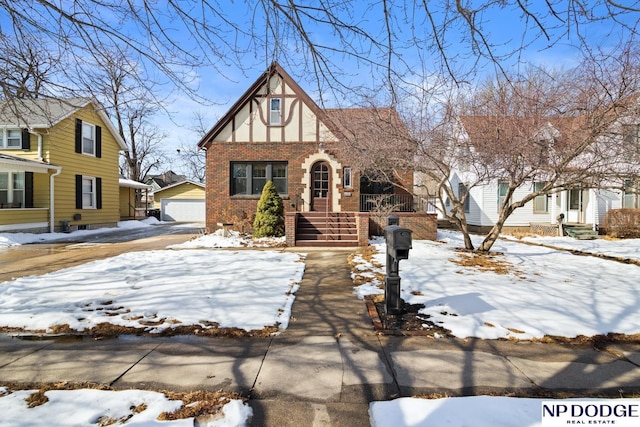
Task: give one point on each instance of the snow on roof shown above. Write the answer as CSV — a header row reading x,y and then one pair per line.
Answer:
x,y
132,184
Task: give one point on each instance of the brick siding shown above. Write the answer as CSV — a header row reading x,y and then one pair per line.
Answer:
x,y
424,226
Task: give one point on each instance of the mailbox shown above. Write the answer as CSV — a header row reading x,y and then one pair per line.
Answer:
x,y
398,241
398,246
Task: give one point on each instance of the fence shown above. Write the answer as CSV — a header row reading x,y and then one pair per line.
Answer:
x,y
388,202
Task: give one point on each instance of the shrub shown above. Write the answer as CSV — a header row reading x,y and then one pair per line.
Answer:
x,y
269,220
623,223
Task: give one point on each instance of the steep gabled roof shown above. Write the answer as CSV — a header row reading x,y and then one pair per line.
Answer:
x,y
44,113
367,122
275,68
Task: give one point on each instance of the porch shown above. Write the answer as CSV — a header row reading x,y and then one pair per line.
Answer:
x,y
350,229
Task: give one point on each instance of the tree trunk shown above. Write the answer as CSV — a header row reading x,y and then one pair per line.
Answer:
x,y
491,238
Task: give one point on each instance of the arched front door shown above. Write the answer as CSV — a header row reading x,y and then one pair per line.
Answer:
x,y
320,185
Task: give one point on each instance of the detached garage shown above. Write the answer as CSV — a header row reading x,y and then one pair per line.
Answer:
x,y
182,201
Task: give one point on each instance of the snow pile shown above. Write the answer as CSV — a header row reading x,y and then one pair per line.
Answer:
x,y
230,239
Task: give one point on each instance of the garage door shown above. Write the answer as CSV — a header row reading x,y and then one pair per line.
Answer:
x,y
182,210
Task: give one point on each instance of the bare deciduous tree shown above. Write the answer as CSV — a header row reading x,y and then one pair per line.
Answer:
x,y
387,39
112,77
531,134
559,130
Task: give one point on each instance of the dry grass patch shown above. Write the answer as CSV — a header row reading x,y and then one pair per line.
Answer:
x,y
367,253
493,261
103,330
197,403
600,342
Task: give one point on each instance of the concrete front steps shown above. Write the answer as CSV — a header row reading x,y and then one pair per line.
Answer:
x,y
580,232
326,229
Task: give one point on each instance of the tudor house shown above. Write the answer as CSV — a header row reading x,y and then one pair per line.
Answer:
x,y
276,132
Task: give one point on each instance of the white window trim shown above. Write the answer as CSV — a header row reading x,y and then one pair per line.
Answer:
x,y
347,177
546,199
272,122
93,192
4,143
11,189
93,133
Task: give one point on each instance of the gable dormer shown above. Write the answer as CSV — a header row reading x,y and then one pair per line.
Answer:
x,y
274,109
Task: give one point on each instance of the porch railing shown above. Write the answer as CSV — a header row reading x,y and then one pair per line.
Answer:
x,y
390,202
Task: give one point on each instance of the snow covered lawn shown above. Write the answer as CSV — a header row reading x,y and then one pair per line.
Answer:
x,y
531,292
156,290
87,407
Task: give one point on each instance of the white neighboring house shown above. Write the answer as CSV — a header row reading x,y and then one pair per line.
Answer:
x,y
576,206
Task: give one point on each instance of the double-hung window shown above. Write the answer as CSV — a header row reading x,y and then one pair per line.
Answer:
x,y
248,178
14,138
541,202
10,138
88,139
12,189
275,111
88,192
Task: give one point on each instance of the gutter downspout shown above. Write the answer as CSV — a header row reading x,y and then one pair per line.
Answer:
x,y
51,197
40,147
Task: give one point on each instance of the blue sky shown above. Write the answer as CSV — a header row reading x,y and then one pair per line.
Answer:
x,y
221,80
505,27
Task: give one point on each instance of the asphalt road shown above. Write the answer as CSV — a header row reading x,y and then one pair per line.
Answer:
x,y
41,258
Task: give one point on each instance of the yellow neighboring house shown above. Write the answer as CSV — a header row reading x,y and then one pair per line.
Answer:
x,y
182,201
58,166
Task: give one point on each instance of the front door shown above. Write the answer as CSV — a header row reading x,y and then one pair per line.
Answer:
x,y
320,184
576,205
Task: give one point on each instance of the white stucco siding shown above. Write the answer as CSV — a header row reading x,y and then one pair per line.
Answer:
x,y
242,122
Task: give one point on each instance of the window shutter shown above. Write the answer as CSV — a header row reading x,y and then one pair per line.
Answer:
x,y
26,140
78,136
99,193
78,191
28,189
98,141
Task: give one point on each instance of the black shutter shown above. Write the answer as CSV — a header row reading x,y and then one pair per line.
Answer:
x,y
26,139
78,136
28,189
78,191
99,193
98,141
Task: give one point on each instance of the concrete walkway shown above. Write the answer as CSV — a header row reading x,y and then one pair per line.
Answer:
x,y
328,365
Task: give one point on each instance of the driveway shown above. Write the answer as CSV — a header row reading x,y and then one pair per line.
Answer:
x,y
41,258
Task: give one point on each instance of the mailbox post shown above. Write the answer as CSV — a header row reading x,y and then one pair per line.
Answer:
x,y
398,245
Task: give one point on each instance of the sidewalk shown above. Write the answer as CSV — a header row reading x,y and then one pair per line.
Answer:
x,y
328,365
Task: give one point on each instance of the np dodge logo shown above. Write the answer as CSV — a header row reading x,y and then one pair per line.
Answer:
x,y
618,412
